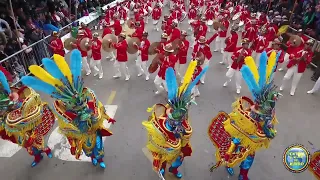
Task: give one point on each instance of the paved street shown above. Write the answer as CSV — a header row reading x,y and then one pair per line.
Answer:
x,y
124,155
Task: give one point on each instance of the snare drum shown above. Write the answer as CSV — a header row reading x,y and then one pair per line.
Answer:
x,y
155,22
121,21
210,22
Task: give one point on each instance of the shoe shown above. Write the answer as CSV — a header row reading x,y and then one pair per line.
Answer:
x,y
94,161
116,76
202,82
238,91
228,67
34,163
178,175
216,50
140,74
112,59
221,62
147,78
310,92
230,171
221,51
102,165
225,84
49,155
127,78
280,69
291,93
281,88
100,76
95,74
88,73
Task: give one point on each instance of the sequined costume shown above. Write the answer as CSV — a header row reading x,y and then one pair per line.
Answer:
x,y
314,166
25,119
80,115
168,126
250,126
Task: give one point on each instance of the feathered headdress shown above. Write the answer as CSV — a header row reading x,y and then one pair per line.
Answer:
x,y
5,91
259,80
59,80
179,98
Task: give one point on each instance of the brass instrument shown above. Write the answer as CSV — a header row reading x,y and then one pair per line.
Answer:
x,y
107,42
132,48
69,42
85,44
153,47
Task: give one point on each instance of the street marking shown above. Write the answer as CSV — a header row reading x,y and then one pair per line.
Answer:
x,y
111,97
167,175
61,147
8,149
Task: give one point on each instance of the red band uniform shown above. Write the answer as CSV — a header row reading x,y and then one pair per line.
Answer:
x,y
96,56
143,56
231,46
57,45
182,54
120,64
238,60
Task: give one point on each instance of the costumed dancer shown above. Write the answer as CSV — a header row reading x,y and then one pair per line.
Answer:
x,y
122,57
231,46
249,128
56,44
25,119
143,56
168,60
238,57
168,126
203,46
80,115
156,15
297,65
182,54
96,56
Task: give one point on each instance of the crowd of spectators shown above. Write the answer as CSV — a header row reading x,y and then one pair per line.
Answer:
x,y
30,21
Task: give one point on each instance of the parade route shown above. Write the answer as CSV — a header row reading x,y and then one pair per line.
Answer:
x,y
125,154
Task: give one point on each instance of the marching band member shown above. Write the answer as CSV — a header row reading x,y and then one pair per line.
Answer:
x,y
163,42
156,15
87,31
202,29
167,23
272,31
292,48
197,71
250,31
182,54
192,15
276,46
210,15
169,60
175,32
297,65
203,46
56,44
122,57
231,46
220,43
116,25
123,13
316,87
143,56
107,30
139,30
96,56
109,14
82,34
238,60
259,44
